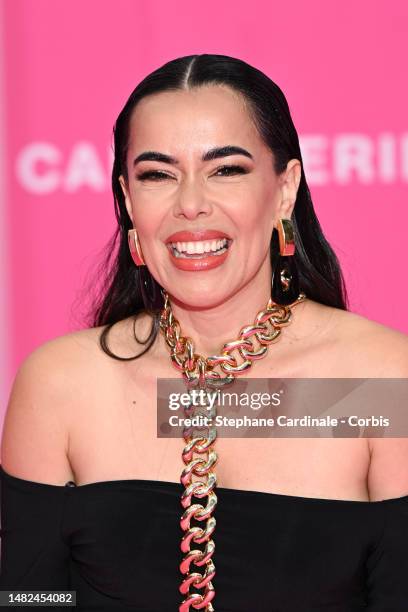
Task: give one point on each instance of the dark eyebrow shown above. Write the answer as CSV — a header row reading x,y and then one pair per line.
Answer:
x,y
208,156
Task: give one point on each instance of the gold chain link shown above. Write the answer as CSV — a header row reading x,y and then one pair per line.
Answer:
x,y
199,371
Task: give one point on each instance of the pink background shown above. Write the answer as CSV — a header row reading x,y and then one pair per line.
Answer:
x,y
67,69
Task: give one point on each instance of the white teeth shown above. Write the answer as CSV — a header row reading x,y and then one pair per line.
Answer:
x,y
184,249
199,247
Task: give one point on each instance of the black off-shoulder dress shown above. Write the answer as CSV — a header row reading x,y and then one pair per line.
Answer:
x,y
117,544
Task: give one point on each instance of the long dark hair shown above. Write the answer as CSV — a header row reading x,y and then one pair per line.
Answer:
x,y
319,272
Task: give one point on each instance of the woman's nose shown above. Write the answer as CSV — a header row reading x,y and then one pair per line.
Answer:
x,y
191,201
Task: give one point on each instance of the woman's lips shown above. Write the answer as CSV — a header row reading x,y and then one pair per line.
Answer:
x,y
197,235
199,262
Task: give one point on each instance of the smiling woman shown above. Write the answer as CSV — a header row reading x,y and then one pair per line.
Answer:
x,y
218,268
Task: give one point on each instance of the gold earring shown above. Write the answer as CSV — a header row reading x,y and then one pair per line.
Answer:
x,y
286,237
135,248
285,278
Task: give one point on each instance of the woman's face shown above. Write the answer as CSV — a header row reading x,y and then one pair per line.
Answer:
x,y
238,195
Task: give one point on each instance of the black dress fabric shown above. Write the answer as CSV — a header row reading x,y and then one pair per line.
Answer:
x,y
117,544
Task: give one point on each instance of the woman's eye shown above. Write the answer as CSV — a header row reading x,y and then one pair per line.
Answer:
x,y
231,170
155,175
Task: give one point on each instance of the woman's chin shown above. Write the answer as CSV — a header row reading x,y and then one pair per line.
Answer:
x,y
194,299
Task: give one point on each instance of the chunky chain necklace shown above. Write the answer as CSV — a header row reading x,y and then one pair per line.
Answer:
x,y
199,371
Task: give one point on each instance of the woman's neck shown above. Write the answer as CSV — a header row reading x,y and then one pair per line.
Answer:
x,y
210,328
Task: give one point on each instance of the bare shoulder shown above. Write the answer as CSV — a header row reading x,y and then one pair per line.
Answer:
x,y
388,472
76,350
357,346
51,382
367,346
68,363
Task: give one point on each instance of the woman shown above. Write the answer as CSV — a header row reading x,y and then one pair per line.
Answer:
x,y
204,146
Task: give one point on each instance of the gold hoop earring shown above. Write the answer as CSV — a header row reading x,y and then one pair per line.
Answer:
x,y
135,248
286,237
285,278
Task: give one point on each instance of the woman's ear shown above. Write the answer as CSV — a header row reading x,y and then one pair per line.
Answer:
x,y
128,202
290,180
